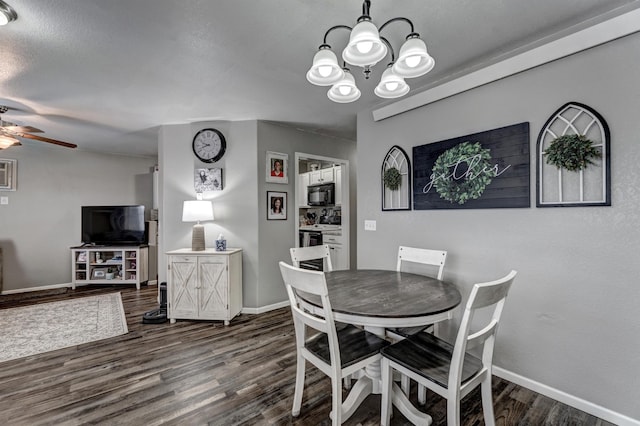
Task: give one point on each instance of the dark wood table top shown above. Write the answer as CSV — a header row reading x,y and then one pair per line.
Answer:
x,y
388,298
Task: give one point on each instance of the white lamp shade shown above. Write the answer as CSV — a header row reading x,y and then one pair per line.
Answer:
x,y
325,70
413,59
197,210
391,85
364,34
345,90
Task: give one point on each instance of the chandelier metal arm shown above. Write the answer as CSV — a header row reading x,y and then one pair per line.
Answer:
x,y
400,18
385,41
335,27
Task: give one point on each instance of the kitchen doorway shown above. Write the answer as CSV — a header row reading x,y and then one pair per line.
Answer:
x,y
322,203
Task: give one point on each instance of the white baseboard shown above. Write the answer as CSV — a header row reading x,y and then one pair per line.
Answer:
x,y
264,309
571,400
44,287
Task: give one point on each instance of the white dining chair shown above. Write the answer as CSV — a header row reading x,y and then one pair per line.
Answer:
x,y
300,254
413,255
337,353
449,370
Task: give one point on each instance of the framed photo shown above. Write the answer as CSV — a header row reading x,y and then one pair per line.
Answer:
x,y
276,205
8,174
277,167
208,180
99,273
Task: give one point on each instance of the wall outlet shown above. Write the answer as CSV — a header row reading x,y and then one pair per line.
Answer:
x,y
4,200
369,225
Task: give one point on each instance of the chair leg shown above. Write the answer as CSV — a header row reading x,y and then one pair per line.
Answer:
x,y
453,410
385,406
487,401
336,401
405,384
422,394
347,382
297,395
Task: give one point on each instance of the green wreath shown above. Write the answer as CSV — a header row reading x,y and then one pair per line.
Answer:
x,y
458,186
571,152
392,178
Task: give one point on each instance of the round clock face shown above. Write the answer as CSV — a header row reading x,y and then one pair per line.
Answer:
x,y
209,145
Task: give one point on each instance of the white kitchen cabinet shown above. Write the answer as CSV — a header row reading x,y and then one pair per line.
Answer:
x,y
204,285
321,176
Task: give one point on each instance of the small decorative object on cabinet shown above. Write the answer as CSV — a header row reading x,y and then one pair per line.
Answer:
x,y
204,285
104,265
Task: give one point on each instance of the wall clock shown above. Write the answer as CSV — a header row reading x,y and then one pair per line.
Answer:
x,y
209,145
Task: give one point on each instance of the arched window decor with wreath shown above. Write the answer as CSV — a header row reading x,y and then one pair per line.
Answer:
x,y
396,180
573,159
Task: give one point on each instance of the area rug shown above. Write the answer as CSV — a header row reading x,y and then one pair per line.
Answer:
x,y
46,327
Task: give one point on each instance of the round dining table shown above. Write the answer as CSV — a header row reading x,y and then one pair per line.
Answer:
x,y
381,299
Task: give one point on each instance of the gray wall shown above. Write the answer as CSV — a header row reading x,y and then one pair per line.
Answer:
x,y
571,320
42,219
234,207
240,208
277,236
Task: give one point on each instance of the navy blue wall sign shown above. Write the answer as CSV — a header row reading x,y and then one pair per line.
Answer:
x,y
484,170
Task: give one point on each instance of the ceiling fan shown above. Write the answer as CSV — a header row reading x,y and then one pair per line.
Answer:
x,y
9,134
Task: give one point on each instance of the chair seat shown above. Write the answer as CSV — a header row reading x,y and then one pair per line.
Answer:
x,y
430,357
355,345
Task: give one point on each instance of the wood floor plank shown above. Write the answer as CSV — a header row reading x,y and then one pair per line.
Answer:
x,y
205,373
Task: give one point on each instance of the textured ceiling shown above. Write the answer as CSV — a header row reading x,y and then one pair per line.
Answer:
x,y
105,74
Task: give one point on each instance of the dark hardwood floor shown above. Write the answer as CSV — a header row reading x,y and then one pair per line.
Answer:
x,y
198,372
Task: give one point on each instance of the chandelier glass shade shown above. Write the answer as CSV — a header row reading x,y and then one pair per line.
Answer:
x,y
365,49
345,90
7,13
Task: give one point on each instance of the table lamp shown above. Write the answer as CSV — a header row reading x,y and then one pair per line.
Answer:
x,y
195,211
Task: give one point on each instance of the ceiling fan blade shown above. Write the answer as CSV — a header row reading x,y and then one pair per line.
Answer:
x,y
28,129
48,140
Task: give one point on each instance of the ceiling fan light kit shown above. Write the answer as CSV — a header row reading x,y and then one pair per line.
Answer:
x,y
365,49
7,14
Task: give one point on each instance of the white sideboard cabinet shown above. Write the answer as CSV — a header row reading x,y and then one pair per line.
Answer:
x,y
204,285
110,265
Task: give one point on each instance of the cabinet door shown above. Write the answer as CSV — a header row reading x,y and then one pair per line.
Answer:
x,y
326,175
315,177
337,257
183,294
213,288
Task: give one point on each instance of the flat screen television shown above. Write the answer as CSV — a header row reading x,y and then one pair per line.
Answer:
x,y
113,225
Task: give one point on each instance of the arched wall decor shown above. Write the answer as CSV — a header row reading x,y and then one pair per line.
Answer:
x,y
400,198
590,186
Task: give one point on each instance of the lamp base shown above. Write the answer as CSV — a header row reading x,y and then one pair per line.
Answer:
x,y
197,238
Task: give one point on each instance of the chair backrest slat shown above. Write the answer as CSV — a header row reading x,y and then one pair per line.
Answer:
x,y
423,256
299,254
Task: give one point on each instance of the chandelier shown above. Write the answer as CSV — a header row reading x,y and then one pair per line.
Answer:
x,y
365,49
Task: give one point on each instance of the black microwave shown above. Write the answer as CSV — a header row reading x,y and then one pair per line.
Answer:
x,y
321,195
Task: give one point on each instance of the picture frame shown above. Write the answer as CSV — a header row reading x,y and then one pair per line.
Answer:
x,y
205,180
277,167
99,273
8,174
275,212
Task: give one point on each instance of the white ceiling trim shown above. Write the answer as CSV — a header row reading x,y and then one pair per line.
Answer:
x,y
603,32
